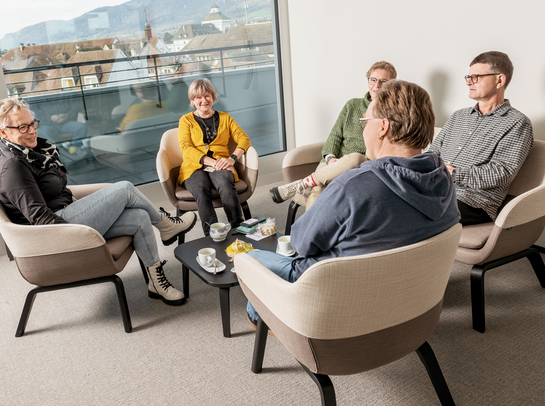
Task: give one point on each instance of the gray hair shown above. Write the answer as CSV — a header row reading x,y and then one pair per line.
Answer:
x,y
10,105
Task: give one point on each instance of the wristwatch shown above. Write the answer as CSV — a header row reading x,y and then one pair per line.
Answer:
x,y
454,175
329,157
234,157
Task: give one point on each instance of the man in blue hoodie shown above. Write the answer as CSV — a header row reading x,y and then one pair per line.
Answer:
x,y
397,198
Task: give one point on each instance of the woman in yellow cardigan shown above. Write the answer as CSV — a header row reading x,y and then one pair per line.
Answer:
x,y
204,139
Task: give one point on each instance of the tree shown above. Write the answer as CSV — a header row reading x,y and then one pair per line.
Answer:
x,y
167,37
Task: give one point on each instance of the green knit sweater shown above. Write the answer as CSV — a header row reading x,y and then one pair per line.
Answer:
x,y
346,136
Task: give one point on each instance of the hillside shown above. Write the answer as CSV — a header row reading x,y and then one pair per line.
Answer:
x,y
127,20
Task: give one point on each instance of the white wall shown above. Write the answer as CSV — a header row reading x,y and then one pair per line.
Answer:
x,y
430,42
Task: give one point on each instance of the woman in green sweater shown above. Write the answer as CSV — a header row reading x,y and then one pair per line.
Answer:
x,y
345,141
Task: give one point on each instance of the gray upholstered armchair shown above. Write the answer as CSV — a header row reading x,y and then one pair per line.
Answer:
x,y
61,256
353,314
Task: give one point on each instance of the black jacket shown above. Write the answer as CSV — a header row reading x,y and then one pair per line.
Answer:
x,y
29,194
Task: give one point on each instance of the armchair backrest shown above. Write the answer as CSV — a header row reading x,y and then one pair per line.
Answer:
x,y
348,315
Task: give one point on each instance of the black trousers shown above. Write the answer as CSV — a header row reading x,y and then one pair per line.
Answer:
x,y
472,215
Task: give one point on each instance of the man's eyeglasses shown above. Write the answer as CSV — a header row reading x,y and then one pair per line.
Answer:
x,y
372,81
23,129
364,120
475,78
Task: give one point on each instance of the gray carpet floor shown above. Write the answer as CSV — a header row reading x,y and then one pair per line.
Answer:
x,y
75,351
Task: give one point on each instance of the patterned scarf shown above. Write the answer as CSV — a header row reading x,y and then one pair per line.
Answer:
x,y
44,154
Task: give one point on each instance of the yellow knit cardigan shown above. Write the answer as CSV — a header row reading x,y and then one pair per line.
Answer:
x,y
190,137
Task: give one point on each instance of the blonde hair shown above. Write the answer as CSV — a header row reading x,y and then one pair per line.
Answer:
x,y
409,110
9,105
199,87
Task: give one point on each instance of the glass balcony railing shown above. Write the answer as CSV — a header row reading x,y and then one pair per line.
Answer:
x,y
119,108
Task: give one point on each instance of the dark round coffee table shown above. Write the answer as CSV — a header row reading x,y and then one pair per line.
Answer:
x,y
187,254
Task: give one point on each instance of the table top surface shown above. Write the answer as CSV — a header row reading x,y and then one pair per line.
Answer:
x,y
188,252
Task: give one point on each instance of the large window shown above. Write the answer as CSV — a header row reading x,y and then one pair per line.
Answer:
x,y
108,84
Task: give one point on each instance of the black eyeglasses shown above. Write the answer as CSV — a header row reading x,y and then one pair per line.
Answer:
x,y
375,80
23,129
475,78
364,119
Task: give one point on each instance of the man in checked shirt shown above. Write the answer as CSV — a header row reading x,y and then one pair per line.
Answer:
x,y
484,146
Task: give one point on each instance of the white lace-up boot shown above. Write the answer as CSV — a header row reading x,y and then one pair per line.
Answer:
x,y
160,288
171,227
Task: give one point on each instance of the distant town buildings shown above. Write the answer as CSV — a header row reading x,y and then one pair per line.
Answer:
x,y
208,41
189,31
220,21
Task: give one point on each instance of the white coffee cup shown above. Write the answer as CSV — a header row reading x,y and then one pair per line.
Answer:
x,y
284,245
207,256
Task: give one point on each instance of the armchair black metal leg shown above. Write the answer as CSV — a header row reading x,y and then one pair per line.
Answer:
x,y
259,346
144,271
327,391
538,266
434,372
26,311
292,212
122,303
246,211
477,297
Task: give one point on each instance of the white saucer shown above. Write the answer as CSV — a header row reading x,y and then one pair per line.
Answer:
x,y
210,269
287,254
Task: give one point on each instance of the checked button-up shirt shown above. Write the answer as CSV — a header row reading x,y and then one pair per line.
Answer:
x,y
487,151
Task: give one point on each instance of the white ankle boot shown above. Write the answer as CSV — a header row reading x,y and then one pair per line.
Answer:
x,y
282,193
160,288
171,227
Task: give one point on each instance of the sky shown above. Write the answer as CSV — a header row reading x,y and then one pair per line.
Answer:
x,y
30,12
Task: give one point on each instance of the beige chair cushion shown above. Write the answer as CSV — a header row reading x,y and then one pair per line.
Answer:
x,y
475,236
184,194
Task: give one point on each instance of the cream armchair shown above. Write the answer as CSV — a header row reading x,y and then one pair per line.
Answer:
x,y
169,160
353,314
61,256
519,224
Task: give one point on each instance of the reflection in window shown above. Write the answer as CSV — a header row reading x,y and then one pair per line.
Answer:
x,y
115,84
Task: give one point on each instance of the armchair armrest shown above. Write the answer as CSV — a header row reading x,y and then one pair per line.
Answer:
x,y
80,191
36,240
301,161
523,209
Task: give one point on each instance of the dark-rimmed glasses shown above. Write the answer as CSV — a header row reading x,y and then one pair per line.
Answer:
x,y
372,81
363,120
23,129
475,78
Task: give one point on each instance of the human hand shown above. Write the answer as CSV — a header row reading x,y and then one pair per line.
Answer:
x,y
450,168
332,160
224,163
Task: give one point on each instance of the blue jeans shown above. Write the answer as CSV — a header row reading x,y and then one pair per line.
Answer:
x,y
116,210
278,264
200,185
51,131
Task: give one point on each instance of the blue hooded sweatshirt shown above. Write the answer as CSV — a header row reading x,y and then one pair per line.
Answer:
x,y
383,204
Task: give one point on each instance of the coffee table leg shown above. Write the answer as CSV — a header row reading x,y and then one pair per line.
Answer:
x,y
185,280
225,311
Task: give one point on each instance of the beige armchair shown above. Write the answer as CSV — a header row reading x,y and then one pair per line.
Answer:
x,y
298,164
349,315
169,160
519,224
61,256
